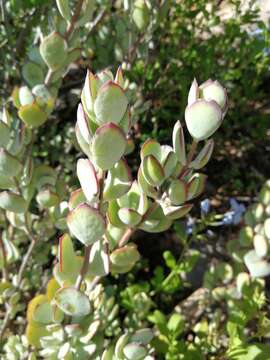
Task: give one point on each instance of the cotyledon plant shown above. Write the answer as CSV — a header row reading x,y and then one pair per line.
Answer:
x,y
32,194
256,234
72,319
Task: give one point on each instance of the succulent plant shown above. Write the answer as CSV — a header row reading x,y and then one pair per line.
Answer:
x,y
257,232
103,214
207,106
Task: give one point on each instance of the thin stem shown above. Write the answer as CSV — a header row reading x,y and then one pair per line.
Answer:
x,y
5,322
4,256
107,251
101,186
49,77
25,261
97,20
149,211
74,19
84,268
192,151
94,283
130,231
126,237
191,154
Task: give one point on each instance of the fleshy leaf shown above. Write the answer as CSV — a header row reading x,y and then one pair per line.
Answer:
x,y
66,254
9,165
99,262
34,333
193,94
43,313
111,104
120,344
64,9
88,178
81,141
32,115
83,124
118,181
53,49
151,147
47,198
260,245
257,266
267,228
145,187
6,182
152,171
119,79
212,90
204,155
134,351
113,216
134,199
72,302
51,288
177,192
179,143
25,95
142,336
203,118
140,14
69,276
192,186
12,202
175,212
32,73
108,146
77,197
170,164
4,134
125,256
86,224
156,222
129,217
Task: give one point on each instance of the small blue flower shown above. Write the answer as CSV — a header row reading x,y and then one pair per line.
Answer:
x,y
266,51
190,225
234,216
205,206
228,218
257,33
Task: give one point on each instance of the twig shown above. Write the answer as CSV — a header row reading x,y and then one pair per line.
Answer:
x,y
191,154
25,262
192,151
126,237
97,20
4,255
94,283
73,20
5,322
49,77
84,268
